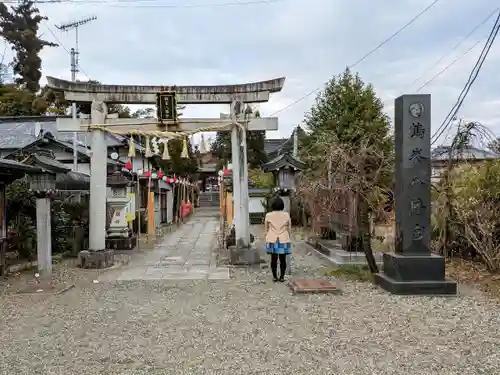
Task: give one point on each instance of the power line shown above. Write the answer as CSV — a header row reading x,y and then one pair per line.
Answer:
x,y
427,83
74,52
455,46
368,54
472,78
67,50
135,3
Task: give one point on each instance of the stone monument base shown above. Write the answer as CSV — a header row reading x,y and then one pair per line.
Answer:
x,y
96,258
244,256
120,243
332,251
231,238
347,258
415,275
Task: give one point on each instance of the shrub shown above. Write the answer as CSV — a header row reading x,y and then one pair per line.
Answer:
x,y
468,203
21,220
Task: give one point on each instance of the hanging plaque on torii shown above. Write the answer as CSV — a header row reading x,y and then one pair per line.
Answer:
x,y
166,106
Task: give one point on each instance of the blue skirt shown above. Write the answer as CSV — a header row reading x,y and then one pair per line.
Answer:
x,y
279,248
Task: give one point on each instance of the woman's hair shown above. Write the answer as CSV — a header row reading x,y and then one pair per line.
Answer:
x,y
277,204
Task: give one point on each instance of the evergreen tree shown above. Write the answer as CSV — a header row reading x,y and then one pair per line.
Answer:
x,y
349,113
177,165
19,27
221,148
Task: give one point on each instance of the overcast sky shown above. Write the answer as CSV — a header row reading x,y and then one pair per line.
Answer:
x,y
169,42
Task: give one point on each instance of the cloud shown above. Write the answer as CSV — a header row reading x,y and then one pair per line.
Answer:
x,y
148,42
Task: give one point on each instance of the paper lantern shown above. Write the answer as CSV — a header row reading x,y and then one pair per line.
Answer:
x,y
147,174
128,165
140,172
160,174
154,175
164,178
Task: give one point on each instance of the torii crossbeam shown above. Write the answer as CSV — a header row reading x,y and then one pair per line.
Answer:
x,y
100,95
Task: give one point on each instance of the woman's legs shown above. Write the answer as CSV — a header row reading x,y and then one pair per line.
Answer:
x,y
282,266
274,265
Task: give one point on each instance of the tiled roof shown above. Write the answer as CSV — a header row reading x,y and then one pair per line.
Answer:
x,y
275,147
6,163
272,145
467,153
19,133
283,160
14,135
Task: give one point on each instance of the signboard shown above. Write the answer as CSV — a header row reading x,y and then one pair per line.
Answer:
x,y
166,106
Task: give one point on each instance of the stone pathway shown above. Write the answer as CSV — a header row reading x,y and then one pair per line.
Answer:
x,y
185,254
247,325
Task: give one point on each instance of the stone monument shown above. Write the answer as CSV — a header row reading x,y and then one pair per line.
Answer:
x,y
413,269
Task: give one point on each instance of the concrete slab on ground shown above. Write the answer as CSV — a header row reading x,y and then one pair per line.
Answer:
x,y
341,258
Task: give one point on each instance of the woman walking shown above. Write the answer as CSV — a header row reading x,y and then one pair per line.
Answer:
x,y
278,227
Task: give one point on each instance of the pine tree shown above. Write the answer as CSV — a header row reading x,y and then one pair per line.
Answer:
x,y
19,26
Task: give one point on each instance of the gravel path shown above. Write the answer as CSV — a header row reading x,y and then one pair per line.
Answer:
x,y
246,325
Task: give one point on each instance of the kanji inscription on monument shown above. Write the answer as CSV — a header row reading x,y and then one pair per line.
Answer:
x,y
412,268
413,174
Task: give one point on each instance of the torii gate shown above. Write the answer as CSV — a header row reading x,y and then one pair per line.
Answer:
x,y
101,95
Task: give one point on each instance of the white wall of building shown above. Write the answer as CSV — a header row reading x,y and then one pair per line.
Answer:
x,y
256,204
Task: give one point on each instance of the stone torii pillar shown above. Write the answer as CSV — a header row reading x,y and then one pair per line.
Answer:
x,y
240,178
98,176
97,256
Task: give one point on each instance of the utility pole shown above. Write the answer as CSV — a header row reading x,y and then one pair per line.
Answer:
x,y
74,53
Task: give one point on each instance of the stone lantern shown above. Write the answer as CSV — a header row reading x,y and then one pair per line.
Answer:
x,y
119,235
43,183
285,169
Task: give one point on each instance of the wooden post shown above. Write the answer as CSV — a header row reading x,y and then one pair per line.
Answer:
x,y
229,209
221,202
150,211
151,215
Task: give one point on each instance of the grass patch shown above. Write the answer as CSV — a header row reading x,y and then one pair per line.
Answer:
x,y
351,273
380,246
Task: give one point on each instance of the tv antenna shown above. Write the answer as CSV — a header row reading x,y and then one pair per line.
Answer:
x,y
74,52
